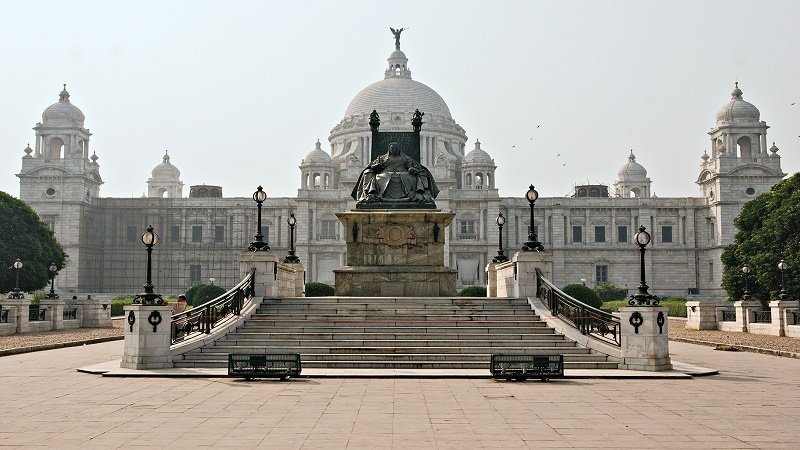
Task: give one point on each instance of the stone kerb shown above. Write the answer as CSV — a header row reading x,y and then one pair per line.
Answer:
x,y
147,337
645,338
290,280
704,314
265,265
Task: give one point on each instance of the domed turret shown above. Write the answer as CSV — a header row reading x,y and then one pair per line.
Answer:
x,y
737,109
63,113
478,169
632,179
316,169
165,181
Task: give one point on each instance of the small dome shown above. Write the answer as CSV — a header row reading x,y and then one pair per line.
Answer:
x,y
632,171
317,156
478,155
737,108
63,112
398,54
165,170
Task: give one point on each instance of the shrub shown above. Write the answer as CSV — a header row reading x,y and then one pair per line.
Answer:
x,y
608,292
319,290
201,293
583,294
473,291
118,303
676,306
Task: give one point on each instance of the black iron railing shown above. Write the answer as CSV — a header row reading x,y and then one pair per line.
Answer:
x,y
589,320
36,314
4,316
203,318
763,316
71,314
728,316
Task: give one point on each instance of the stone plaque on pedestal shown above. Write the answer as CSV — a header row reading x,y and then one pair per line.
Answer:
x,y
397,253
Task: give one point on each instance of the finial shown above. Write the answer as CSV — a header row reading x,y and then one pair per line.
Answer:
x,y
165,158
319,146
63,96
396,34
94,157
632,157
705,156
737,93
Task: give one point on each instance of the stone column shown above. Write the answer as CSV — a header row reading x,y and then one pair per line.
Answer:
x,y
147,337
55,312
491,279
645,339
21,308
702,315
780,309
745,310
96,313
527,263
265,265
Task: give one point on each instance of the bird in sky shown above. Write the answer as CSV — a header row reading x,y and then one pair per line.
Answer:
x,y
558,154
537,126
792,104
513,146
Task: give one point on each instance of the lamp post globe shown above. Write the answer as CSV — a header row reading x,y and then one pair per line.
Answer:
x,y
746,272
149,239
642,297
53,271
291,257
16,293
782,266
259,196
500,221
533,243
583,281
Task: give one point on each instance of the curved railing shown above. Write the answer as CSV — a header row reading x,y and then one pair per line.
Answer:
x,y
203,318
588,320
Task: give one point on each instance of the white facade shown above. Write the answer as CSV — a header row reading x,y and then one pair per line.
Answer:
x,y
590,233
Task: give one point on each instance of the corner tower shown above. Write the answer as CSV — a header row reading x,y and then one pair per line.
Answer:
x,y
61,181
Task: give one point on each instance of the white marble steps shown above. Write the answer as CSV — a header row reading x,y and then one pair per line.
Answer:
x,y
387,333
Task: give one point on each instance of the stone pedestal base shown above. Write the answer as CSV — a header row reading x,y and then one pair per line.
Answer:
x,y
55,312
265,265
96,312
18,313
147,340
396,281
397,253
646,346
291,280
703,315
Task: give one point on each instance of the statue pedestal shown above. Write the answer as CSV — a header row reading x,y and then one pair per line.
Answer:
x,y
395,253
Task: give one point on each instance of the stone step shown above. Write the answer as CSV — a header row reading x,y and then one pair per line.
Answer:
x,y
461,301
293,315
455,339
339,310
406,357
254,327
429,323
401,364
224,350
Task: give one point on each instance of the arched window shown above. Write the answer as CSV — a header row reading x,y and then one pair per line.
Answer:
x,y
634,193
478,180
326,183
468,180
56,147
743,147
317,181
162,193
215,193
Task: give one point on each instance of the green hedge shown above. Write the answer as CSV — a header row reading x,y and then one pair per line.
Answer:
x,y
319,290
118,303
676,306
608,292
201,293
473,291
583,294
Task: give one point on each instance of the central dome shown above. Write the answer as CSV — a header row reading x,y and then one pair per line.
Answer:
x,y
398,94
63,112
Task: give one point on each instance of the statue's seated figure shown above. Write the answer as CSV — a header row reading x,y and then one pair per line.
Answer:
x,y
395,177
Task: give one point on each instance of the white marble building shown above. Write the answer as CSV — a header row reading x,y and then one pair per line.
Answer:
x,y
589,233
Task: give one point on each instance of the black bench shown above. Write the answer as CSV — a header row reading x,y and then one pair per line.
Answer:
x,y
521,367
281,365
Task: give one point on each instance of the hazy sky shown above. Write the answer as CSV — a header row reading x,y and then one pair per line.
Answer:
x,y
240,91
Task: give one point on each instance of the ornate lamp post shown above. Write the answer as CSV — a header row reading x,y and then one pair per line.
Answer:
x,y
501,257
583,281
533,243
291,257
746,272
642,297
259,245
149,239
53,271
16,293
782,266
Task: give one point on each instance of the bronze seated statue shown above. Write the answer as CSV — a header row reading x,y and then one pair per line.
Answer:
x,y
395,178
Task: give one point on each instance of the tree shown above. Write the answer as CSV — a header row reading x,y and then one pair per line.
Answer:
x,y
23,235
768,232
201,293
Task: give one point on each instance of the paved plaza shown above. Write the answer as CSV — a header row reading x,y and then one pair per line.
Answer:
x,y
46,403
